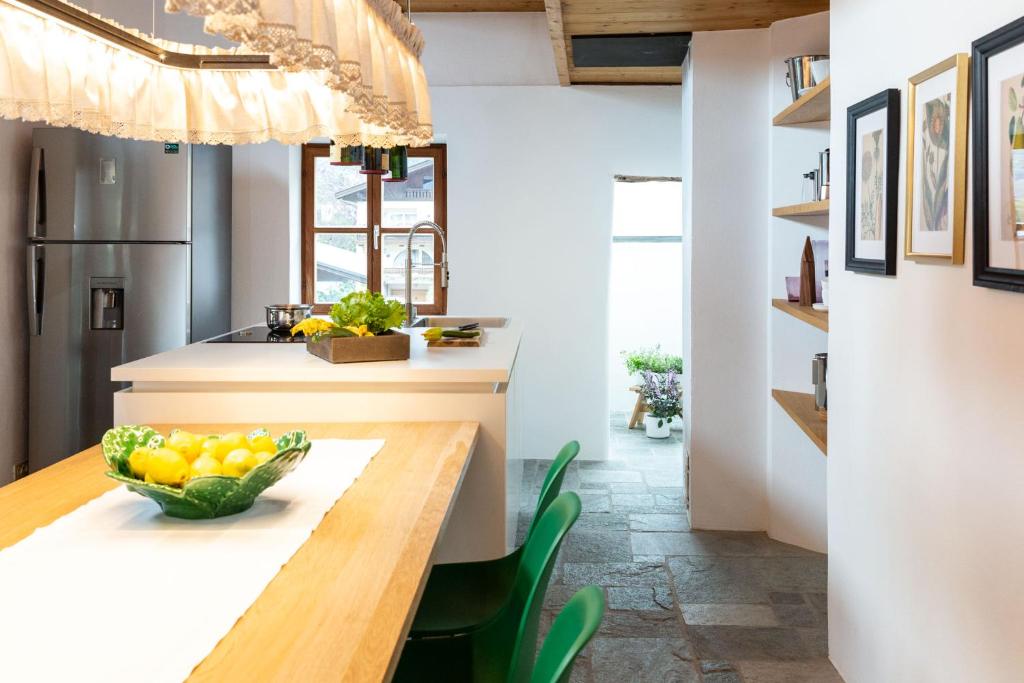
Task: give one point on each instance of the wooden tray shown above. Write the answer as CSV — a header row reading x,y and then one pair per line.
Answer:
x,y
391,345
444,342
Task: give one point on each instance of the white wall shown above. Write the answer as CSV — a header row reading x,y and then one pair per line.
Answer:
x,y
486,48
796,468
724,237
925,459
530,173
16,143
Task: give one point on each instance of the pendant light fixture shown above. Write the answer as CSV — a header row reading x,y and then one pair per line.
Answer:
x,y
374,161
346,156
398,165
67,67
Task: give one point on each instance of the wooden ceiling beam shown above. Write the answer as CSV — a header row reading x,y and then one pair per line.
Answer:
x,y
474,6
556,29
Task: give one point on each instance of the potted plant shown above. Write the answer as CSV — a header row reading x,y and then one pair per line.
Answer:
x,y
651,359
360,329
661,393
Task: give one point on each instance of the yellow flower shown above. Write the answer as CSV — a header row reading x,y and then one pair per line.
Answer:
x,y
360,331
313,326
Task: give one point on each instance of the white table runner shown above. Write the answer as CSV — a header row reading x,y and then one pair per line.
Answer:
x,y
116,591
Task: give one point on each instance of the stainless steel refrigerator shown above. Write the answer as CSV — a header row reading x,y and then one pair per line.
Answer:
x,y
129,255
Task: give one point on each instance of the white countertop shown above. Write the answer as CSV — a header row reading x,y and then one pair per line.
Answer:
x,y
273,363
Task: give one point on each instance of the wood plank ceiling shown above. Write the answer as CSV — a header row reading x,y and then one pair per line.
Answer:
x,y
568,18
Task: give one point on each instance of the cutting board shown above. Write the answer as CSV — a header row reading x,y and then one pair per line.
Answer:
x,y
454,342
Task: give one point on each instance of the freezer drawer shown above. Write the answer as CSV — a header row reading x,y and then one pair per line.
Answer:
x,y
92,307
92,187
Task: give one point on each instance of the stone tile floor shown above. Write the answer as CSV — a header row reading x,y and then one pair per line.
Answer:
x,y
719,607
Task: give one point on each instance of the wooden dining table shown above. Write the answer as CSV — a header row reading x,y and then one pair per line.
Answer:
x,y
341,607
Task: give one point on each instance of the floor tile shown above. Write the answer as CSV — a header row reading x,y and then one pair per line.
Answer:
x,y
640,624
616,660
633,502
729,615
614,574
583,545
640,597
595,502
655,522
743,579
609,476
797,615
746,642
609,521
804,671
715,543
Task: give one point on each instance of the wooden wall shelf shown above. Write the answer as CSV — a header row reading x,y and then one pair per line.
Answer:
x,y
800,407
805,209
810,316
815,105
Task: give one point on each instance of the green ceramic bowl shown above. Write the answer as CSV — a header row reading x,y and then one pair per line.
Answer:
x,y
202,497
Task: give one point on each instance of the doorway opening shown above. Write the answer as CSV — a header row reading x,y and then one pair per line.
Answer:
x,y
645,321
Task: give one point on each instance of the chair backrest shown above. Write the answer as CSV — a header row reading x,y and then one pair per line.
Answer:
x,y
553,481
574,626
506,646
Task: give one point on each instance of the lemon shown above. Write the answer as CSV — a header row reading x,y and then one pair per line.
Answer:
x,y
205,465
262,443
167,466
263,456
186,443
137,461
238,462
210,446
230,442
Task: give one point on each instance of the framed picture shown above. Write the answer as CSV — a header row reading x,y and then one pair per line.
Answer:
x,y
998,73
937,161
872,183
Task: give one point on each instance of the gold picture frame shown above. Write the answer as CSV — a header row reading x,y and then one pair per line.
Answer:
x,y
957,149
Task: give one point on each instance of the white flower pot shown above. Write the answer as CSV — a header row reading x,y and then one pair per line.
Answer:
x,y
658,427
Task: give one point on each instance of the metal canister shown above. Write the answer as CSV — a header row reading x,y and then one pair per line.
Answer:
x,y
824,160
819,373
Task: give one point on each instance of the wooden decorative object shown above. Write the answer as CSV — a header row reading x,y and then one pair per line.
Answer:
x,y
453,342
807,274
392,345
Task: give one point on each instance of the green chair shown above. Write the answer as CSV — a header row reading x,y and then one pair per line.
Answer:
x,y
463,595
574,626
501,650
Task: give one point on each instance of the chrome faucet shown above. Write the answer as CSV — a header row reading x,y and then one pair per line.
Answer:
x,y
410,310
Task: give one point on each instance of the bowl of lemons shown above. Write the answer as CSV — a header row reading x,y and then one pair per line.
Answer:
x,y
200,476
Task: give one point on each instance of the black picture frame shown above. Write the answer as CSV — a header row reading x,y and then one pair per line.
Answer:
x,y
982,50
890,101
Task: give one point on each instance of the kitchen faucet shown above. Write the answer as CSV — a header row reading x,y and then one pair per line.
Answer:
x,y
410,310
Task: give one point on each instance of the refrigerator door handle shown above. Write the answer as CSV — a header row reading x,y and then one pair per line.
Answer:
x,y
36,277
37,195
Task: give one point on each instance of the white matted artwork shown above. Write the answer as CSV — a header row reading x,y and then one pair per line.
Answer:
x,y
872,177
1006,159
870,217
937,161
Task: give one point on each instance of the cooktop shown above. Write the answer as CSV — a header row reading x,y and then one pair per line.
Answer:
x,y
257,334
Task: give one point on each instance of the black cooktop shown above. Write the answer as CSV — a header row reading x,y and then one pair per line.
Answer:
x,y
257,334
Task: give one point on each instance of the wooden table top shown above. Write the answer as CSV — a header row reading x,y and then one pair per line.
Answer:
x,y
341,607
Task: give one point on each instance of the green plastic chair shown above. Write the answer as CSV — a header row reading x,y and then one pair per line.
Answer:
x,y
574,626
460,596
503,649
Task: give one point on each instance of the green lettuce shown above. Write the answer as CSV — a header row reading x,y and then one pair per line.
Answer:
x,y
370,309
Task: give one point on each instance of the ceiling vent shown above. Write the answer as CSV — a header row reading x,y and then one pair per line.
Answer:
x,y
638,49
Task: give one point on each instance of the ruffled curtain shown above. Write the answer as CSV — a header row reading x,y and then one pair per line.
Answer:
x,y
365,49
53,73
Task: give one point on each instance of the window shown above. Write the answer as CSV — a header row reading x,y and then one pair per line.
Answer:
x,y
355,229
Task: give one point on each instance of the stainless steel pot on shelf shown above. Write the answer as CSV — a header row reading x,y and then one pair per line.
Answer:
x,y
799,76
283,317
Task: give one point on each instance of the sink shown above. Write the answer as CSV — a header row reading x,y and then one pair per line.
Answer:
x,y
458,321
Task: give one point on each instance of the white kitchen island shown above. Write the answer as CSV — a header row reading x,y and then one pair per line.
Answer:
x,y
266,383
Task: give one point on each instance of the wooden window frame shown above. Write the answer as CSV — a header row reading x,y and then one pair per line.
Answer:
x,y
374,200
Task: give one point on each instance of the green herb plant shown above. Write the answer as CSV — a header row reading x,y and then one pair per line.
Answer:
x,y
366,308
651,360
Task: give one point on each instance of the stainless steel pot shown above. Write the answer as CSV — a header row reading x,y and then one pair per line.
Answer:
x,y
283,317
798,73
